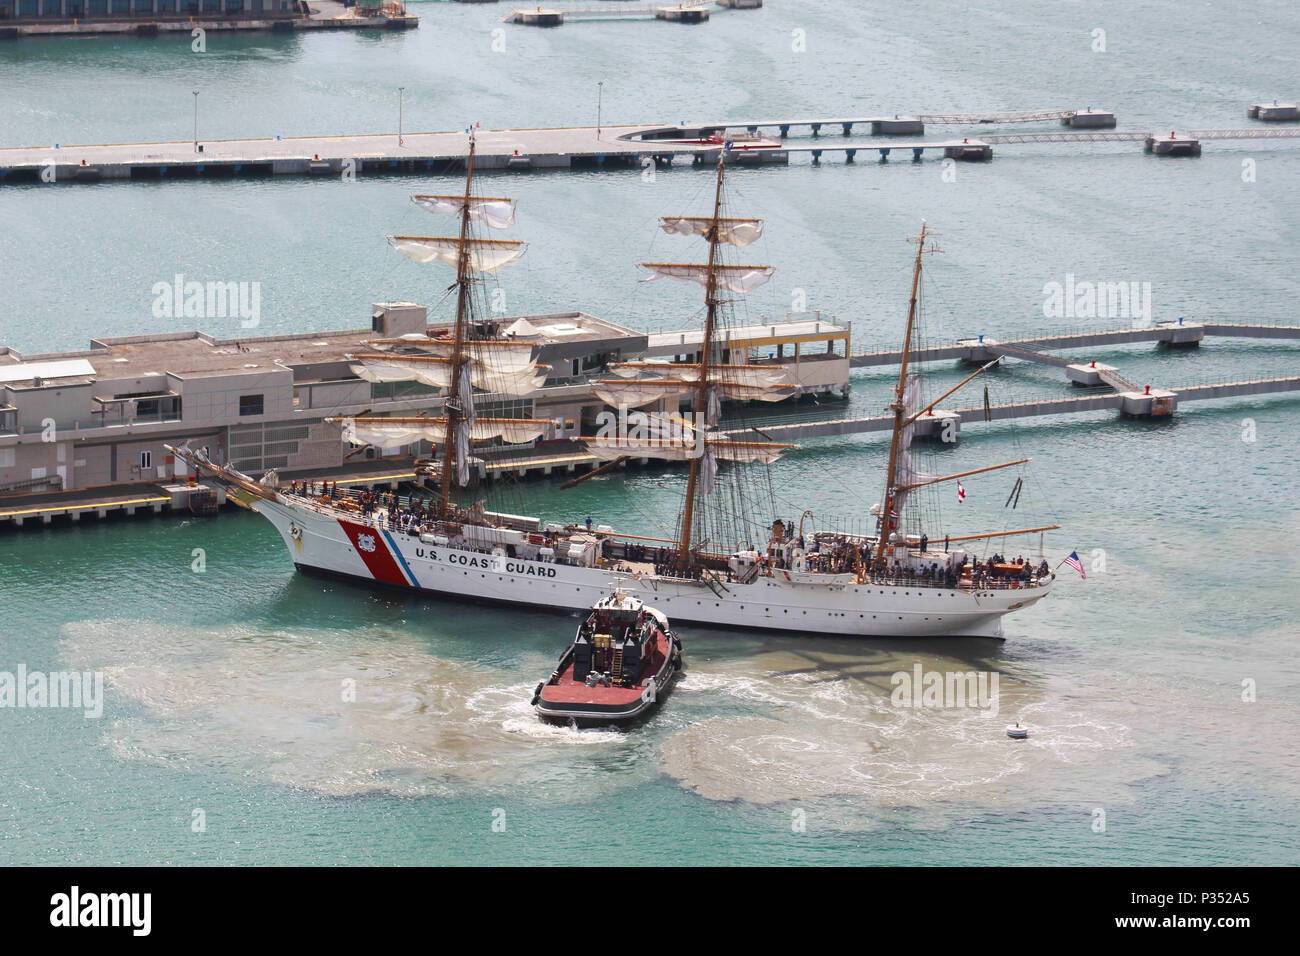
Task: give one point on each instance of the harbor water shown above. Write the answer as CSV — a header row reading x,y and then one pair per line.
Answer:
x,y
253,715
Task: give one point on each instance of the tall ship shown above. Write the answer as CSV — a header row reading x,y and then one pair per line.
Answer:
x,y
733,561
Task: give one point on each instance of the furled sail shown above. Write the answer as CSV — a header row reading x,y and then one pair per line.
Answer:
x,y
498,355
740,392
730,278
686,448
737,232
757,375
514,379
485,255
435,372
636,393
388,432
493,211
905,473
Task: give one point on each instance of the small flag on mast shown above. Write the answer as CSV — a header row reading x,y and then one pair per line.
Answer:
x,y
961,492
1074,562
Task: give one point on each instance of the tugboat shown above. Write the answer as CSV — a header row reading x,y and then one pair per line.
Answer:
x,y
623,659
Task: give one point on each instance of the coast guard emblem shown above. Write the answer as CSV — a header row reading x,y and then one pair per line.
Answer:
x,y
366,542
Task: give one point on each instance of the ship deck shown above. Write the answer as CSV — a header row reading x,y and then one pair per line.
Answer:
x,y
568,691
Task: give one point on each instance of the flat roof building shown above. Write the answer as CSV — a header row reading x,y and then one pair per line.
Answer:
x,y
100,417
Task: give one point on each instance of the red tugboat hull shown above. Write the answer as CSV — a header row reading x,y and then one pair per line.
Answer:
x,y
565,697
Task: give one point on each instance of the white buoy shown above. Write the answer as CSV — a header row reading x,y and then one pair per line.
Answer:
x,y
1016,732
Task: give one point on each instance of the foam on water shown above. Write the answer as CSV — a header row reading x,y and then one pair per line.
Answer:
x,y
270,704
838,735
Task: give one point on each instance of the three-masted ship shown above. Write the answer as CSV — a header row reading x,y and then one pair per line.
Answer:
x,y
731,563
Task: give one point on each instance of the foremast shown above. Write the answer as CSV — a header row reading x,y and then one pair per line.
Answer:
x,y
468,361
454,413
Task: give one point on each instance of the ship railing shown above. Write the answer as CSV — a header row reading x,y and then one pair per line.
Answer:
x,y
986,582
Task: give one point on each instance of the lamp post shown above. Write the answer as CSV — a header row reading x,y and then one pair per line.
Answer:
x,y
196,121
401,95
600,95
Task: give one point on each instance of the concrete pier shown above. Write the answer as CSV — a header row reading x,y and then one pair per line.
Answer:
x,y
150,497
610,147
622,147
693,11
325,15
683,14
981,349
541,17
1173,145
1139,404
1089,119
1087,376
1274,112
969,151
900,124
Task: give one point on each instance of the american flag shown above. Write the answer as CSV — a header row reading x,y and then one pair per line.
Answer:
x,y
961,491
1074,562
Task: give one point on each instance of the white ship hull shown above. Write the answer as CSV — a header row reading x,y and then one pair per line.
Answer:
x,y
328,543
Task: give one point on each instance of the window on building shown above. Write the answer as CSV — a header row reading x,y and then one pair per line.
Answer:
x,y
250,405
146,460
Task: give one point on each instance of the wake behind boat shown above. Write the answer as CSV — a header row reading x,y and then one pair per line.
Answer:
x,y
620,664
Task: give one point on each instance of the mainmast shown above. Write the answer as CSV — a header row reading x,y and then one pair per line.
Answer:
x,y
898,406
710,380
702,387
451,406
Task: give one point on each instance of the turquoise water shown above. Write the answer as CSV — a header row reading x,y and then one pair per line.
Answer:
x,y
224,689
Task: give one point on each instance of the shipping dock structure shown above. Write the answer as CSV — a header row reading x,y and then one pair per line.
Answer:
x,y
152,18
84,432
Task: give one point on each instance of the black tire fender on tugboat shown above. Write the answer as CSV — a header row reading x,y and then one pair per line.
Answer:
x,y
537,693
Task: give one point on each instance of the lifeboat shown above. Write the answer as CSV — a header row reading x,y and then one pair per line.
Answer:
x,y
622,661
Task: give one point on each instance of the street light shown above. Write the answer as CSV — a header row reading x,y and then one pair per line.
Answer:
x,y
401,95
600,95
196,121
